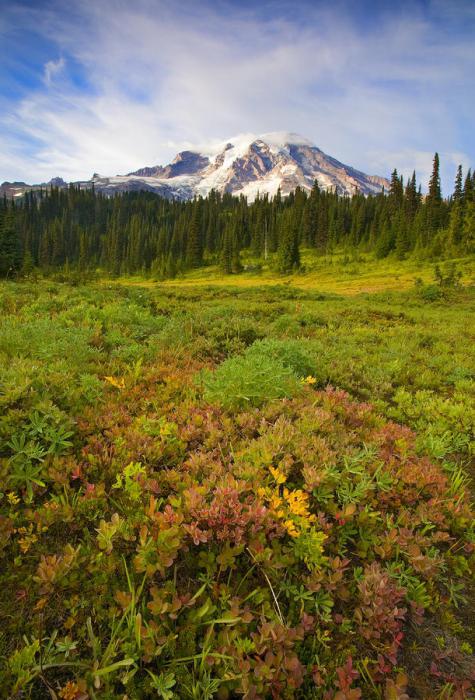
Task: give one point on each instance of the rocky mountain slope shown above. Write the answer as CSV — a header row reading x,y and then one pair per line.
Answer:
x,y
245,165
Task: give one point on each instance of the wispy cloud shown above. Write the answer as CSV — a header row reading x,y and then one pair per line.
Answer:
x,y
53,69
135,80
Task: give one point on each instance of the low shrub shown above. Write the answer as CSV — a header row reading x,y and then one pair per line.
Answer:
x,y
293,354
249,380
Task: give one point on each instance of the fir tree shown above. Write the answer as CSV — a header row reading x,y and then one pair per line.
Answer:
x,y
458,191
434,194
10,248
469,187
194,248
288,255
457,213
386,241
226,261
434,199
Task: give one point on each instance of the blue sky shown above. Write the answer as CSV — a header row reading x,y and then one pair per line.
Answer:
x,y
110,86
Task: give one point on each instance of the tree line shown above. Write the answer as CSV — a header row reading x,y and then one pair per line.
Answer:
x,y
139,232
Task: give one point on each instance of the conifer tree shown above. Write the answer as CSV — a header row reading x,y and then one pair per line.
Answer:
x,y
434,194
434,199
401,243
226,262
469,187
458,191
194,248
457,212
396,192
10,250
288,254
386,241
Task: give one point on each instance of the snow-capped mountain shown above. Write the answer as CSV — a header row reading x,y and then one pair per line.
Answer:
x,y
245,165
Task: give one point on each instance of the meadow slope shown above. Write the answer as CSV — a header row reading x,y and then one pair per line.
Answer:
x,y
233,486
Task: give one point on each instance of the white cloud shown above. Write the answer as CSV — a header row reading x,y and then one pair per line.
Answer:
x,y
52,69
162,75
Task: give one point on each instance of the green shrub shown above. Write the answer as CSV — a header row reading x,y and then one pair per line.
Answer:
x,y
291,353
249,380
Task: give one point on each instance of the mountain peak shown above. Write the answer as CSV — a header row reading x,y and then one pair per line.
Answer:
x,y
247,164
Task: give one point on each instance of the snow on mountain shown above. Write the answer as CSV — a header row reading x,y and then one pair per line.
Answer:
x,y
251,164
248,165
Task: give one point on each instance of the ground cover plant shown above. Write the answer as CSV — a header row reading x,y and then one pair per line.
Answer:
x,y
258,492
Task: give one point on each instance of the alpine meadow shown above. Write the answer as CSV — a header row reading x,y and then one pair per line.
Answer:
x,y
237,391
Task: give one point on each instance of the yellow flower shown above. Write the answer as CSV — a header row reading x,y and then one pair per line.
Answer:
x,y
275,502
279,476
12,498
118,383
28,538
291,528
309,380
297,502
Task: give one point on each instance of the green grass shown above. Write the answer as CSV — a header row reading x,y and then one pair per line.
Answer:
x,y
339,273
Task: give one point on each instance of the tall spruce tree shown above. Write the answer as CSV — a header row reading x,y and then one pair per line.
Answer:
x,y
226,259
10,247
456,212
288,254
434,200
194,248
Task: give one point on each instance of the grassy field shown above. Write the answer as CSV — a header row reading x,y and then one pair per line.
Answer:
x,y
242,486
339,274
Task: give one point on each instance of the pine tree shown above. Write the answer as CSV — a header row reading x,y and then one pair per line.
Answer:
x,y
386,241
396,192
402,243
469,187
226,258
457,212
194,247
458,191
10,249
288,255
434,199
434,194
411,205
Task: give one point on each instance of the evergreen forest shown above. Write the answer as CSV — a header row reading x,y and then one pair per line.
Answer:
x,y
141,233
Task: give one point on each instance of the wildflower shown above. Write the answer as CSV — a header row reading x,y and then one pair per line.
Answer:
x,y
275,502
118,383
76,473
297,502
291,528
278,475
27,539
309,380
12,498
90,488
69,691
